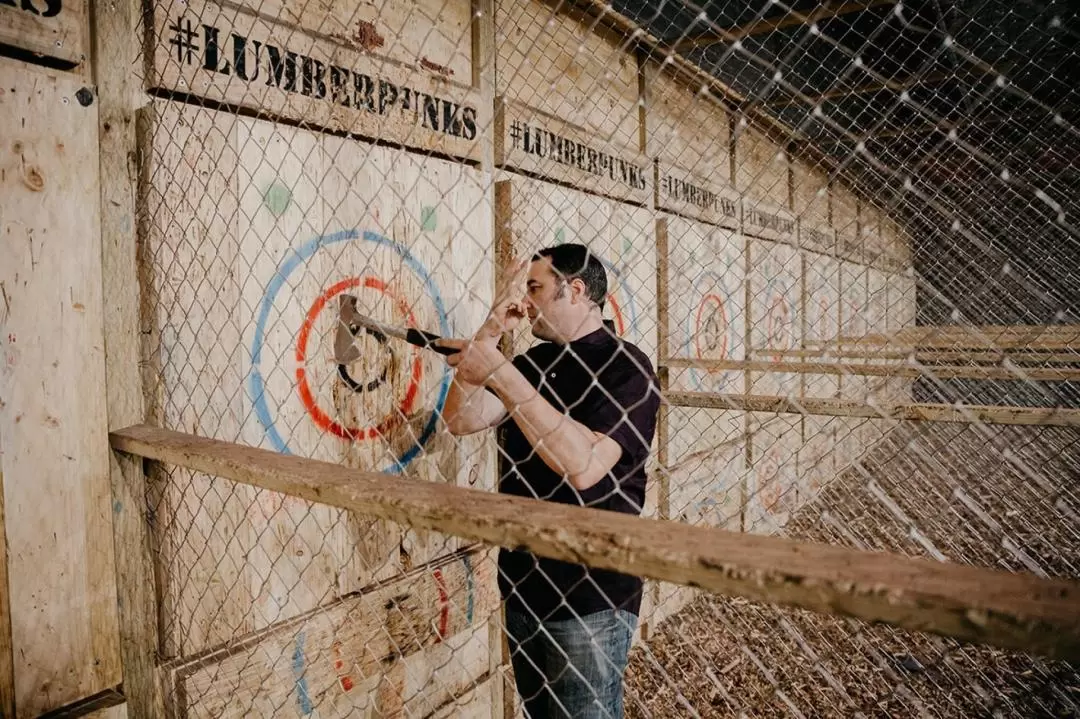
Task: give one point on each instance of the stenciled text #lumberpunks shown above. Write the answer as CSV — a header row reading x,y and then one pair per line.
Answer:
x,y
249,60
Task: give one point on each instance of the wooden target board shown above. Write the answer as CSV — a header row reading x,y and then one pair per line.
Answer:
x,y
854,300
773,491
279,224
816,461
706,303
822,314
900,313
775,279
623,237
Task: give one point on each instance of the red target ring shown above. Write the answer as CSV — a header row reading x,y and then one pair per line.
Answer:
x,y
714,304
620,325
321,419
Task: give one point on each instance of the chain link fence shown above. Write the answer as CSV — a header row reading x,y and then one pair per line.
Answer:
x,y
861,209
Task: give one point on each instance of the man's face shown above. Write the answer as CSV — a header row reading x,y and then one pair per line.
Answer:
x,y
548,302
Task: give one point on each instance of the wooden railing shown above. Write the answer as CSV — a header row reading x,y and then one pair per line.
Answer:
x,y
1004,609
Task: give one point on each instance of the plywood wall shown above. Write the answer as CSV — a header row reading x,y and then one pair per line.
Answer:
x,y
686,128
555,63
283,223
54,457
775,295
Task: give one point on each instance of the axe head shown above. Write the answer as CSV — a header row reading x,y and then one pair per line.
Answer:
x,y
345,349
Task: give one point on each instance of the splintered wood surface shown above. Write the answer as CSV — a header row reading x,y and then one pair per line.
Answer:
x,y
968,603
256,232
988,499
706,306
387,645
57,505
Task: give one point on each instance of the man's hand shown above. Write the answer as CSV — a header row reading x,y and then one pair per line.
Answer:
x,y
508,309
476,361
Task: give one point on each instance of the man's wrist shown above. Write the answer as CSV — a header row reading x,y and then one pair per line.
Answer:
x,y
511,386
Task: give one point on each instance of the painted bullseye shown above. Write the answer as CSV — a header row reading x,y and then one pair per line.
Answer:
x,y
318,415
265,406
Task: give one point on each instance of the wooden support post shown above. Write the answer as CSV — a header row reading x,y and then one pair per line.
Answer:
x,y
116,23
995,607
662,329
504,243
919,412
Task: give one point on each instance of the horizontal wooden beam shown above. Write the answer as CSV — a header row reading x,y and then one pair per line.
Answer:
x,y
921,412
778,22
1032,374
986,337
838,92
1009,610
934,355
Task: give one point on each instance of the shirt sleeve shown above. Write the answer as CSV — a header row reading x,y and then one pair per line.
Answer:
x,y
624,405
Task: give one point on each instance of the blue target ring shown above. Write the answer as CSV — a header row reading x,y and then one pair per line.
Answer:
x,y
295,259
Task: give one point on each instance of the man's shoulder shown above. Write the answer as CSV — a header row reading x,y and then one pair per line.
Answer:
x,y
630,359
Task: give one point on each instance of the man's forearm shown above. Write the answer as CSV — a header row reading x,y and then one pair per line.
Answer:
x,y
565,445
463,410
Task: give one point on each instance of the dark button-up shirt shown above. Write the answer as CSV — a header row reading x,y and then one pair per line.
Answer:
x,y
609,386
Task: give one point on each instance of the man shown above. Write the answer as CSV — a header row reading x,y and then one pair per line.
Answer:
x,y
576,413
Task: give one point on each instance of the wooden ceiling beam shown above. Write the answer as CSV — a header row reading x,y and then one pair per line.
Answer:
x,y
839,92
778,22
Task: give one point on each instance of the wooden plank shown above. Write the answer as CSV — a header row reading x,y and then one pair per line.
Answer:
x,y
247,61
334,659
845,221
769,221
685,193
1031,374
476,704
687,128
854,310
192,210
242,200
988,606
922,412
821,280
61,572
532,141
428,37
552,58
810,205
7,647
484,52
778,21
772,478
762,178
119,97
775,282
663,332
987,337
47,28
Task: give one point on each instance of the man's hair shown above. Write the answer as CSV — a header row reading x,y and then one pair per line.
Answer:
x,y
570,261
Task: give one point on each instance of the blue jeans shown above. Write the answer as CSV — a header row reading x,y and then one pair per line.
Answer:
x,y
572,668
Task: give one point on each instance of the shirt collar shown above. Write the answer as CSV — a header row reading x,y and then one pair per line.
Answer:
x,y
601,336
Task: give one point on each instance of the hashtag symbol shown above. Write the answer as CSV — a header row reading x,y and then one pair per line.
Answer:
x,y
184,40
515,132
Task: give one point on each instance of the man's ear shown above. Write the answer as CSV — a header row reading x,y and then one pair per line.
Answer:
x,y
578,290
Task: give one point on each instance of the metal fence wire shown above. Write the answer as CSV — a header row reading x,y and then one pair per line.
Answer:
x,y
865,209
